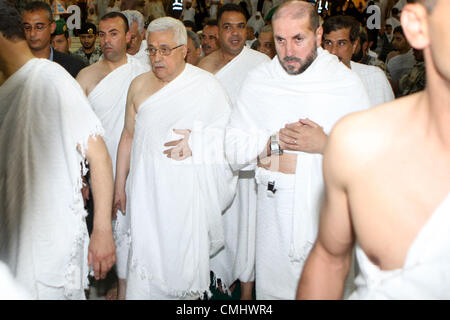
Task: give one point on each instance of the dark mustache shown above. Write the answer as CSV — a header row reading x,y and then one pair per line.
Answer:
x,y
289,59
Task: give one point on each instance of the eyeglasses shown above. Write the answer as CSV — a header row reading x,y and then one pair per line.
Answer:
x,y
164,51
39,27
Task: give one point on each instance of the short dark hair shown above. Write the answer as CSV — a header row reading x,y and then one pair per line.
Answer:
x,y
10,22
211,22
342,22
39,5
190,24
229,7
398,29
116,14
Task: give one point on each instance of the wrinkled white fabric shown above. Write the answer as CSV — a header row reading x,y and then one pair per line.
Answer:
x,y
237,259
176,206
44,115
268,100
377,85
142,54
9,288
108,100
426,271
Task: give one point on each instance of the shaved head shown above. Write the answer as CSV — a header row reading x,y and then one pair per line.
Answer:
x,y
298,10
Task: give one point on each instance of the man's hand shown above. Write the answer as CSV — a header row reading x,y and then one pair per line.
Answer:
x,y
181,148
304,135
120,201
102,252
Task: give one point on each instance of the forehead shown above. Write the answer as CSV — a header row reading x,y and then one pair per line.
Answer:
x,y
398,35
35,16
166,37
59,37
266,36
287,27
207,30
341,34
134,27
190,42
232,17
112,23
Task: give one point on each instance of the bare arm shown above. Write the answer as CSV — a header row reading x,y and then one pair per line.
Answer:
x,y
124,154
101,247
82,79
329,262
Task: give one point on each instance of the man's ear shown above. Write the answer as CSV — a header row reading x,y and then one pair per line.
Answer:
x,y
69,42
319,35
128,36
414,20
53,27
354,46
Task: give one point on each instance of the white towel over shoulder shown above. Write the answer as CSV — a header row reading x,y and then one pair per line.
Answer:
x,y
426,272
269,99
44,115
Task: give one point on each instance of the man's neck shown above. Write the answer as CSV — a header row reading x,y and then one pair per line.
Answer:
x,y
437,98
227,57
404,51
112,65
90,50
42,53
17,56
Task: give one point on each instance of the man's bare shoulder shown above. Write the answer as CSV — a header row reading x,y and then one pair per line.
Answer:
x,y
143,87
90,76
143,81
210,63
363,135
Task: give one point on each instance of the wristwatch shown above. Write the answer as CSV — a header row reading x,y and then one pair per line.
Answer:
x,y
275,145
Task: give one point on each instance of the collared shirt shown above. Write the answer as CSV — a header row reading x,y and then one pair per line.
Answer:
x,y
94,56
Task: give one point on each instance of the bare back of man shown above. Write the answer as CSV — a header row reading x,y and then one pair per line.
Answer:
x,y
409,176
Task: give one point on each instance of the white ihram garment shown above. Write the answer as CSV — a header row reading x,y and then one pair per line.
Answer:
x,y
426,271
176,206
108,100
44,116
269,99
237,259
377,85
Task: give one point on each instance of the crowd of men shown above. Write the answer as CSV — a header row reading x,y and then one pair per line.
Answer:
x,y
266,150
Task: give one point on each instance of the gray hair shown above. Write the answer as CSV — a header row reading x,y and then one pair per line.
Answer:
x,y
266,28
194,37
134,16
166,24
